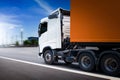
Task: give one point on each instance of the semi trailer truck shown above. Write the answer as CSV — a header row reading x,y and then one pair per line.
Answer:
x,y
60,40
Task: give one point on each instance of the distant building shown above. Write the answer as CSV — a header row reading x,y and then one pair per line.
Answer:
x,y
32,38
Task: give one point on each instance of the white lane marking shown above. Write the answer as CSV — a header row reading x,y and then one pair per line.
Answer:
x,y
64,69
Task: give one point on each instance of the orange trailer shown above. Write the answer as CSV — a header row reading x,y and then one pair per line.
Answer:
x,y
95,21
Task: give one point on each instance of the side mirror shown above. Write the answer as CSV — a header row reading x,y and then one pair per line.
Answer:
x,y
39,34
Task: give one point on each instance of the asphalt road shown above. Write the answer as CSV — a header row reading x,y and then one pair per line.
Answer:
x,y
26,53
11,70
32,67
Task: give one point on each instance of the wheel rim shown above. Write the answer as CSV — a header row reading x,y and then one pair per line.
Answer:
x,y
48,57
111,64
86,61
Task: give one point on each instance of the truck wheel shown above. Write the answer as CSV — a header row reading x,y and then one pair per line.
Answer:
x,y
86,62
110,64
48,57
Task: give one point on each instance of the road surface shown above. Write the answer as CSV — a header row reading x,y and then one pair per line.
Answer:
x,y
25,64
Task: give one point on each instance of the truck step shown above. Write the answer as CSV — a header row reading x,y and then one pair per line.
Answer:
x,y
70,59
61,53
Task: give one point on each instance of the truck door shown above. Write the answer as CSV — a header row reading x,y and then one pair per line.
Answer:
x,y
42,35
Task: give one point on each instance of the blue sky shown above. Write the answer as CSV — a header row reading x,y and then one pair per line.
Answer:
x,y
24,14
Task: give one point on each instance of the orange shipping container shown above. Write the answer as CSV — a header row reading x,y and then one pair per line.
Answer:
x,y
95,21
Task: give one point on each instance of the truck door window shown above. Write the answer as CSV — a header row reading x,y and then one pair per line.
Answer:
x,y
43,27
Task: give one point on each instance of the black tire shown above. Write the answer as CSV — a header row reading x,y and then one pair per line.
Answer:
x,y
48,57
67,62
86,61
110,64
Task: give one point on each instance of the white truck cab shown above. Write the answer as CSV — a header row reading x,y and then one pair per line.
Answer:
x,y
50,33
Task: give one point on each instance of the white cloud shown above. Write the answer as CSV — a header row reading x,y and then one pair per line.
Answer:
x,y
8,18
44,5
8,24
9,21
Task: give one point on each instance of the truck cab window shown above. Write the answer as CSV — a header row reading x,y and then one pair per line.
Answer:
x,y
42,28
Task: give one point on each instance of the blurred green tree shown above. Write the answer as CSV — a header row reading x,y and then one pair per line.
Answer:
x,y
16,43
30,43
